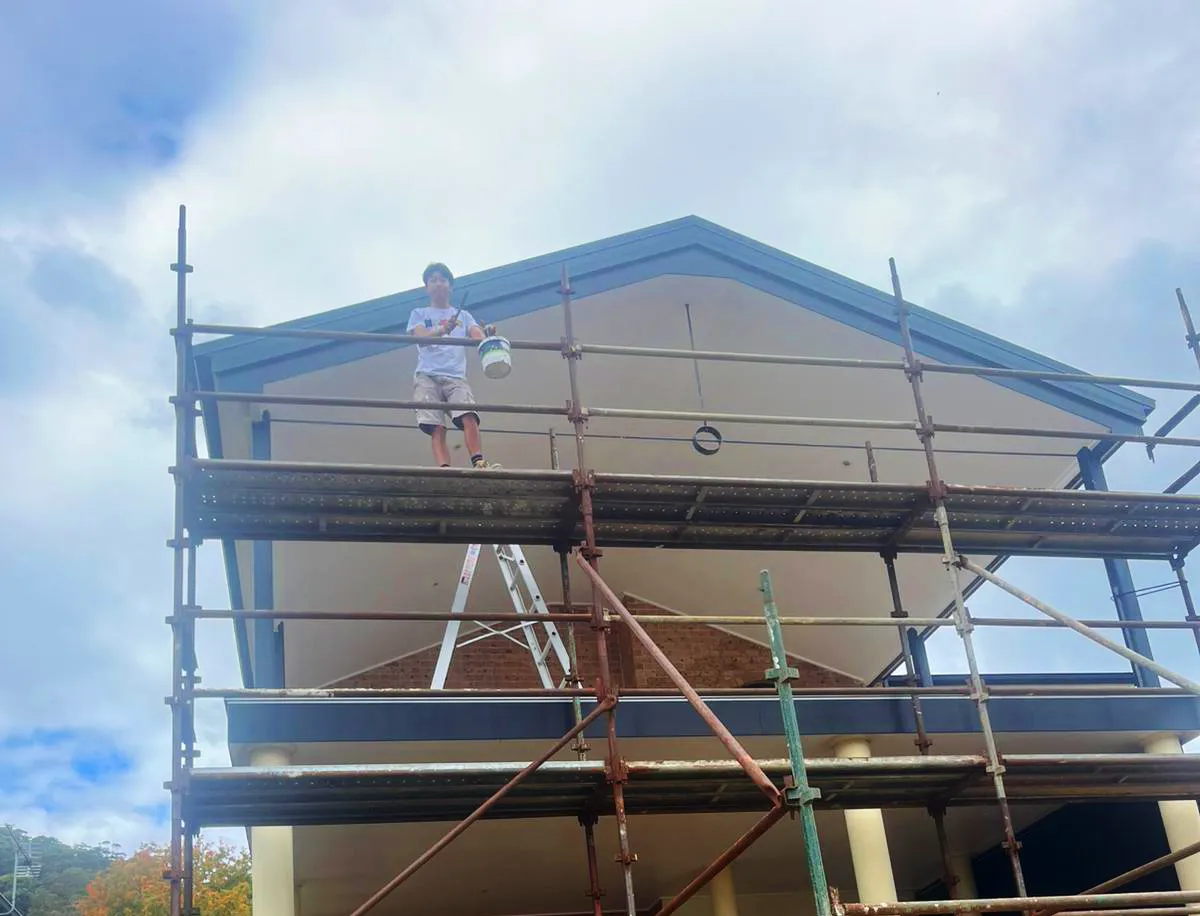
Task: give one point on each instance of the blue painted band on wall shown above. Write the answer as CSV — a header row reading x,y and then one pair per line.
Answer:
x,y
478,719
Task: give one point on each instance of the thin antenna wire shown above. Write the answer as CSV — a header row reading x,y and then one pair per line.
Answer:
x,y
687,310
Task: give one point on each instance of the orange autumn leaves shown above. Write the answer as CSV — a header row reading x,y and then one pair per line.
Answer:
x,y
135,887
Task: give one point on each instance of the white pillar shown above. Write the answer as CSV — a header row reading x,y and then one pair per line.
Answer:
x,y
1180,817
723,893
868,839
960,862
272,869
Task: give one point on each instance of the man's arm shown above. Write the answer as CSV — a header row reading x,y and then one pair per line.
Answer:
x,y
417,328
475,332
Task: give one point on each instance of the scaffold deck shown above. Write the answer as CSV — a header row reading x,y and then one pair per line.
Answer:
x,y
289,501
385,793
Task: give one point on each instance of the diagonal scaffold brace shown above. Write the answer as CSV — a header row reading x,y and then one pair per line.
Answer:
x,y
602,707
796,797
1083,629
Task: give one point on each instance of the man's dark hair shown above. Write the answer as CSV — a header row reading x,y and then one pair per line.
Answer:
x,y
437,268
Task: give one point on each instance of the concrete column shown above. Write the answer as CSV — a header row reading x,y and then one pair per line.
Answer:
x,y
868,839
272,868
1181,818
723,893
960,861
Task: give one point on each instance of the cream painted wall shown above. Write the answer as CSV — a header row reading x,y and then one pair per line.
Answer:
x,y
726,315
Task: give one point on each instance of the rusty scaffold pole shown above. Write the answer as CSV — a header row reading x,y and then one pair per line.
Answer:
x,y
588,818
936,811
606,688
183,644
962,619
781,803
604,706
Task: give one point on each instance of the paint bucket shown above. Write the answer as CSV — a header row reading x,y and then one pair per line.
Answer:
x,y
496,356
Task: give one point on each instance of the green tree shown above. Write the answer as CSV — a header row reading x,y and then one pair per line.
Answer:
x,y
65,873
134,886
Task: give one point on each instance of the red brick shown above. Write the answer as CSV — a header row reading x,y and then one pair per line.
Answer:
x,y
707,657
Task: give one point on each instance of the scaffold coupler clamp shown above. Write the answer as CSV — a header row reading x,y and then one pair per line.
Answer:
x,y
570,349
914,369
576,413
796,797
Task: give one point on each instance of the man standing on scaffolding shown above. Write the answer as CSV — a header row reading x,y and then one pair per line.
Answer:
x,y
441,375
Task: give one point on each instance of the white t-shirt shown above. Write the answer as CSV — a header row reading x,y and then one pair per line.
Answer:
x,y
433,359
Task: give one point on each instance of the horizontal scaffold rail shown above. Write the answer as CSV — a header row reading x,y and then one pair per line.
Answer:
x,y
298,501
423,792
556,346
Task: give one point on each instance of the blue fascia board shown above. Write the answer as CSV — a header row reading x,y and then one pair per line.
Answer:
x,y
1103,678
499,719
693,247
233,576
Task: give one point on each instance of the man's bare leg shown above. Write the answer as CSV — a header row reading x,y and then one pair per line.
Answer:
x,y
441,454
471,434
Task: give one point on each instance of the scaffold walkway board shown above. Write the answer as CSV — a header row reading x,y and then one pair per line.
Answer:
x,y
288,501
385,793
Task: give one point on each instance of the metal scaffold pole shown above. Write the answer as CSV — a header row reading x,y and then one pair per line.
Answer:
x,y
179,870
922,741
606,688
962,618
587,819
799,795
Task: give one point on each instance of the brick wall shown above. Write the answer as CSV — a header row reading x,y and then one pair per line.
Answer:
x,y
707,657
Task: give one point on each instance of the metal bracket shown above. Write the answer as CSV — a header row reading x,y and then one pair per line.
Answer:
x,y
576,413
616,773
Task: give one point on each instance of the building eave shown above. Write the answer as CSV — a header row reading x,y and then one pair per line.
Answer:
x,y
689,246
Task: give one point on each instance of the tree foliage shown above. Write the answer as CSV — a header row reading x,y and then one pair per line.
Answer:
x,y
134,886
65,873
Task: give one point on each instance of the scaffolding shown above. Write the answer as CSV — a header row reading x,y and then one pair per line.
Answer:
x,y
581,512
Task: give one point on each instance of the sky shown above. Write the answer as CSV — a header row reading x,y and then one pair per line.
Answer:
x,y
1033,167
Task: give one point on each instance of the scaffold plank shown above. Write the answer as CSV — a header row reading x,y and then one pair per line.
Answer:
x,y
400,793
290,501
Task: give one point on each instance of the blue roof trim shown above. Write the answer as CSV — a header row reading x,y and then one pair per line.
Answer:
x,y
689,246
233,576
486,719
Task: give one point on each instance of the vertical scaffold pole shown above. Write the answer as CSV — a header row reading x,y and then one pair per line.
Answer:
x,y
799,795
616,773
189,724
587,820
937,812
1193,344
580,746
179,871
962,619
1185,590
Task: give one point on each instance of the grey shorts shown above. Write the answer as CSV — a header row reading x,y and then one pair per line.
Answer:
x,y
442,390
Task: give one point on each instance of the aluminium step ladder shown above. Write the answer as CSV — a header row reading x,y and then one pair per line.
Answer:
x,y
526,599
